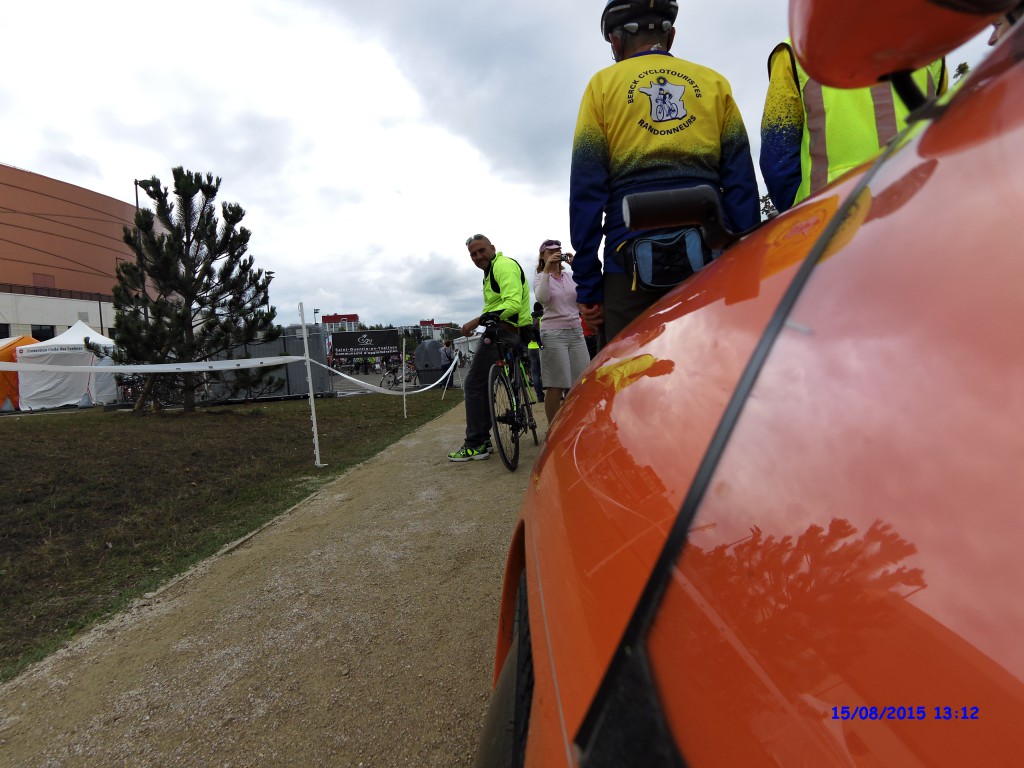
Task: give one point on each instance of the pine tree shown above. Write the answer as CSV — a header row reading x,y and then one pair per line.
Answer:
x,y
192,293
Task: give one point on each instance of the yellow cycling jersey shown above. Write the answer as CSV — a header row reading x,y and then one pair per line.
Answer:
x,y
652,122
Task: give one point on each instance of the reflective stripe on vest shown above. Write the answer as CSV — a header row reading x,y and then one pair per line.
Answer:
x,y
827,151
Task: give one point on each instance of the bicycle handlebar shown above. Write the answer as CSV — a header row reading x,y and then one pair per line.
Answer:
x,y
691,207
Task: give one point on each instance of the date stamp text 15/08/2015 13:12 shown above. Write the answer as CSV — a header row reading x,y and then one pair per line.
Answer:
x,y
905,713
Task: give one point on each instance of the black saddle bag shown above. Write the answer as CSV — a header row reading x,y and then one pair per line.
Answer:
x,y
662,260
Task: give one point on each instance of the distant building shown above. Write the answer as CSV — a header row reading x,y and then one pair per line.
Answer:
x,y
340,323
430,329
59,248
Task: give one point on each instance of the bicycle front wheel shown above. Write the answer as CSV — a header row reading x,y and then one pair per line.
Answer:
x,y
504,420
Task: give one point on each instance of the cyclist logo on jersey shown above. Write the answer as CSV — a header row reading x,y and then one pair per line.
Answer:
x,y
666,100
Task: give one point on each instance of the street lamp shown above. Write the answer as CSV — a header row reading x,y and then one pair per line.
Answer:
x,y
141,258
270,276
315,313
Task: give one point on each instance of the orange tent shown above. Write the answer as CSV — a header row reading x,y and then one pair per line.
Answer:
x,y
9,379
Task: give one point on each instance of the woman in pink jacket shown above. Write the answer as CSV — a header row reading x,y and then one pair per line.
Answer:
x,y
563,353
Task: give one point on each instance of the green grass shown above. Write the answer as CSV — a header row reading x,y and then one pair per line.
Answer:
x,y
97,508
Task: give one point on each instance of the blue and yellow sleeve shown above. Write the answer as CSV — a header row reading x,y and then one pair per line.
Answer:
x,y
589,188
739,183
782,127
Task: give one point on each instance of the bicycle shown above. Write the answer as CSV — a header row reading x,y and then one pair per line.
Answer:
x,y
392,378
411,374
510,399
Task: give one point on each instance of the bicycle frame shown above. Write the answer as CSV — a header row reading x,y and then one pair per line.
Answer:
x,y
510,362
525,371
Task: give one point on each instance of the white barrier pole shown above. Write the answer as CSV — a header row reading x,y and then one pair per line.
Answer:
x,y
309,383
444,387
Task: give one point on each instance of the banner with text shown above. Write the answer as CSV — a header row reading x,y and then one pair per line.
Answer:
x,y
365,343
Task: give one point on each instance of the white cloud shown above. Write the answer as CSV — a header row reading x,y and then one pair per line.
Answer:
x,y
365,142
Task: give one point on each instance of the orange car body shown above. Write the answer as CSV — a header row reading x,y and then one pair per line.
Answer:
x,y
795,488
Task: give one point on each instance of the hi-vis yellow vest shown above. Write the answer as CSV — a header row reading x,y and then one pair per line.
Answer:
x,y
844,128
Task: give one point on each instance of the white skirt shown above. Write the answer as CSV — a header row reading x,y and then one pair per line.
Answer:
x,y
563,356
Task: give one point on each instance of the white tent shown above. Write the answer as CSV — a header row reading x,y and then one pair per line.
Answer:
x,y
464,345
39,389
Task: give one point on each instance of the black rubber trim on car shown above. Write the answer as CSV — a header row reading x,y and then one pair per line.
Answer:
x,y
621,722
524,677
502,742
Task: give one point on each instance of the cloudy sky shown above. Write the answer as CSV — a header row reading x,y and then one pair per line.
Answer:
x,y
366,140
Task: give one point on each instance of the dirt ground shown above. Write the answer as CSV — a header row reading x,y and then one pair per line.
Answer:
x,y
355,630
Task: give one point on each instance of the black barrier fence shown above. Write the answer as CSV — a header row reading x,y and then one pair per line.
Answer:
x,y
293,375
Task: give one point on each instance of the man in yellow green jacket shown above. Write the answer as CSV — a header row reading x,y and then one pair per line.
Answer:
x,y
506,295
811,134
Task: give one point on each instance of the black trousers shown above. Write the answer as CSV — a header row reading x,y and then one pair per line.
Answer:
x,y
535,373
478,407
622,305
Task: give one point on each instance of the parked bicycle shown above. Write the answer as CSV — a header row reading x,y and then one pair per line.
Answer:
x,y
510,399
392,378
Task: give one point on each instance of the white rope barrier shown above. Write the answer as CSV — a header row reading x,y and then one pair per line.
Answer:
x,y
381,390
232,365
208,365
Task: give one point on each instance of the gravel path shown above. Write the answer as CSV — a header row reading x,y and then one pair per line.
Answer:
x,y
355,630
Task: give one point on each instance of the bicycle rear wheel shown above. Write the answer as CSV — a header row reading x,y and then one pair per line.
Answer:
x,y
504,420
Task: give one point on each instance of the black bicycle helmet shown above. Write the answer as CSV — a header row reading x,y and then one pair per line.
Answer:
x,y
634,14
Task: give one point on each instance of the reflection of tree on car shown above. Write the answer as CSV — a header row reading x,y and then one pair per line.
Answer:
x,y
767,585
